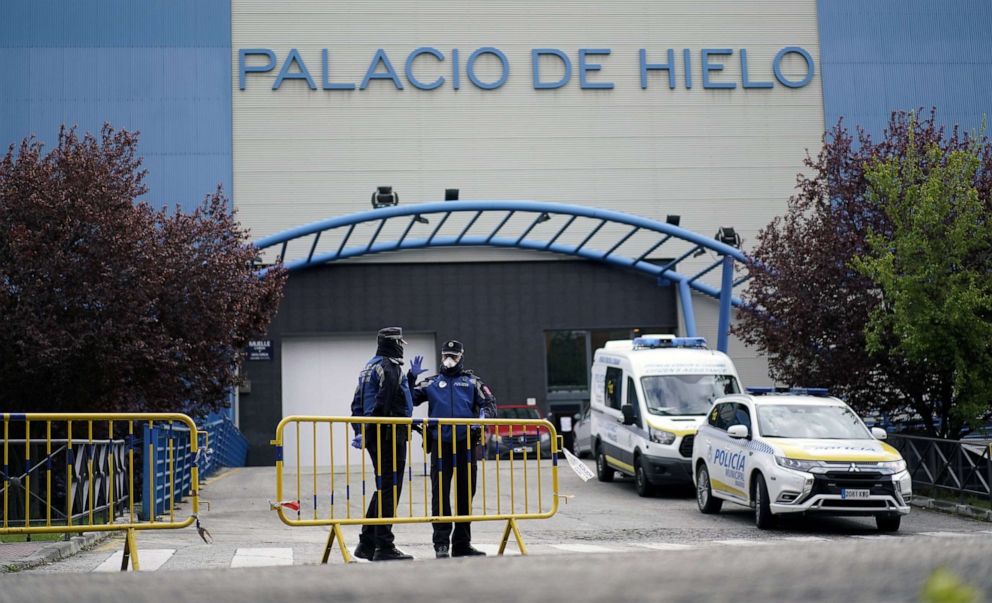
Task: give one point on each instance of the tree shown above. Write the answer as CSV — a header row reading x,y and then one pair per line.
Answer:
x,y
933,276
109,305
809,307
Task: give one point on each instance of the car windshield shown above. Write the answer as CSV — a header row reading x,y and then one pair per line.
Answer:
x,y
828,422
685,394
517,413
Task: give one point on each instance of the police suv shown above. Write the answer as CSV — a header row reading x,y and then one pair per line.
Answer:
x,y
797,453
649,395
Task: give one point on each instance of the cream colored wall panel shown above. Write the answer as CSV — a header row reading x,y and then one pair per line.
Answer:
x,y
302,155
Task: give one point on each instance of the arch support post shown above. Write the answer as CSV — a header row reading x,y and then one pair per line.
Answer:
x,y
726,294
688,314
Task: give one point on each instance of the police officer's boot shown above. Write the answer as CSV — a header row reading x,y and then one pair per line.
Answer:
x,y
365,551
390,554
466,551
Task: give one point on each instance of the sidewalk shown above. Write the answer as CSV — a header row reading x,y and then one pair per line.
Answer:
x,y
18,556
234,508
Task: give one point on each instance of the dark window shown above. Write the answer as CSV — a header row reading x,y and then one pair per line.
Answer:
x,y
567,357
723,415
743,416
633,400
599,337
614,381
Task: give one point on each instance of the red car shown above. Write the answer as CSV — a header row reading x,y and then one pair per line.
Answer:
x,y
502,440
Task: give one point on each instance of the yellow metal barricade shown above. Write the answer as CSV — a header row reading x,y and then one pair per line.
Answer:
x,y
330,483
80,473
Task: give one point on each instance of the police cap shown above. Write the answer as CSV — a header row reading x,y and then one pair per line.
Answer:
x,y
392,333
452,347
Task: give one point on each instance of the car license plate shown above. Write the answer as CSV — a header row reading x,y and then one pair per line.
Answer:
x,y
848,494
521,449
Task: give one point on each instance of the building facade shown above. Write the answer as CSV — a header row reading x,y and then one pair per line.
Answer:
x,y
300,109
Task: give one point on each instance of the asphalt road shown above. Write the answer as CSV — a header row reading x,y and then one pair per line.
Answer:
x,y
831,571
605,543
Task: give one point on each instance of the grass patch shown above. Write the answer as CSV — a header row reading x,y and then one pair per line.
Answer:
x,y
34,538
949,496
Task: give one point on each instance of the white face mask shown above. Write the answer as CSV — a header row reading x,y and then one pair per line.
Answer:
x,y
450,362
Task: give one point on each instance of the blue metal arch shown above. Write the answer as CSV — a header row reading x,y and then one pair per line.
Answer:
x,y
665,273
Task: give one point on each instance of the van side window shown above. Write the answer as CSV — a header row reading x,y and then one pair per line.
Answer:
x,y
634,401
614,382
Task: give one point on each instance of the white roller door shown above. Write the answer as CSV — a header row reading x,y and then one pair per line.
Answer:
x,y
319,375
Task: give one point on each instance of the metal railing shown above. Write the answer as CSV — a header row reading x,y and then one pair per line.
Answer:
x,y
960,468
97,467
518,482
223,445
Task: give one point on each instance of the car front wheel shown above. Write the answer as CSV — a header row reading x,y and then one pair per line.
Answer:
x,y
641,483
763,517
708,503
603,471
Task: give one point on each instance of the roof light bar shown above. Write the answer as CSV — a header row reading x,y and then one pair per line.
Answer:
x,y
668,341
796,391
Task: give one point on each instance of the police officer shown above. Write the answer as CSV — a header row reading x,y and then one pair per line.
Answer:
x,y
454,393
383,392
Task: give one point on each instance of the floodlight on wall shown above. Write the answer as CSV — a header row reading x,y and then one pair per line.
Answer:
x,y
451,194
420,219
384,196
544,217
728,236
698,252
673,219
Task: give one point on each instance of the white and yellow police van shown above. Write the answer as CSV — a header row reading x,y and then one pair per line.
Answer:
x,y
790,453
649,395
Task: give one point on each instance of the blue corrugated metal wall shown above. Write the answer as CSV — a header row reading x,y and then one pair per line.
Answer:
x,y
159,66
885,55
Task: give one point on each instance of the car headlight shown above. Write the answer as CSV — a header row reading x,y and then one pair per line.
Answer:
x,y
659,436
796,464
892,467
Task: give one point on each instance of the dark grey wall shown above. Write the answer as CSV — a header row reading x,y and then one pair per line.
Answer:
x,y
499,310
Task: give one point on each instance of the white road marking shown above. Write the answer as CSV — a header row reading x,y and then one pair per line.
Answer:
x,y
946,534
663,546
742,542
149,560
262,557
493,549
805,539
876,537
584,548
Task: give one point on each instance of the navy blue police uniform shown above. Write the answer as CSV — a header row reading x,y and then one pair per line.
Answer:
x,y
383,392
454,393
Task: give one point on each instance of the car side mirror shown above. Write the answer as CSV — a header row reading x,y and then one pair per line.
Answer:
x,y
628,414
878,433
738,432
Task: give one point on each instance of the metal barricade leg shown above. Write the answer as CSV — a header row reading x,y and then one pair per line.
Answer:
x,y
511,524
130,551
336,533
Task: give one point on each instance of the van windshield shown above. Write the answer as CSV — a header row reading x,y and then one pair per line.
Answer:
x,y
685,394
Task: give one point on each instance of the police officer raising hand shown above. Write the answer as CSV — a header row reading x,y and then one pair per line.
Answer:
x,y
454,393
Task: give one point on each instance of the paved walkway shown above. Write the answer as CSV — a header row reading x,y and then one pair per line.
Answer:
x,y
601,519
